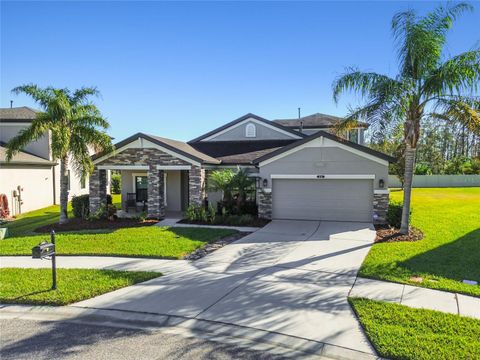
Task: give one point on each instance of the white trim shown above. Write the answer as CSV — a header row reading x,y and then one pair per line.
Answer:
x,y
123,167
165,189
324,142
386,191
325,177
254,121
141,143
174,167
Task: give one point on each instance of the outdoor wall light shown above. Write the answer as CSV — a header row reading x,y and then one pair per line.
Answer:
x,y
265,183
381,183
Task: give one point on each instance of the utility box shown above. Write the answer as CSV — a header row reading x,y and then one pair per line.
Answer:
x,y
43,250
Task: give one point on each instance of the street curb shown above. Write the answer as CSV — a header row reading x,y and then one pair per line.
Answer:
x,y
275,343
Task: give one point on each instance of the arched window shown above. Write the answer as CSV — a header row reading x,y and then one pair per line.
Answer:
x,y
250,130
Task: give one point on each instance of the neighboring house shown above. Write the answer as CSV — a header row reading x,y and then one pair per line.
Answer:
x,y
31,180
313,176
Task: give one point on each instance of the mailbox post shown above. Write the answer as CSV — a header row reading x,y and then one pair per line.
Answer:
x,y
46,250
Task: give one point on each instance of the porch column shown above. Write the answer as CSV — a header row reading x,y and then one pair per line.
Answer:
x,y
156,194
98,190
196,189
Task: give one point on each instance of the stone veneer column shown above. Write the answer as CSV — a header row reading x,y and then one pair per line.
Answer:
x,y
155,192
264,204
196,190
98,190
380,208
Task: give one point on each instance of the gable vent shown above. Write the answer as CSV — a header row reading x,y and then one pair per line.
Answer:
x,y
250,130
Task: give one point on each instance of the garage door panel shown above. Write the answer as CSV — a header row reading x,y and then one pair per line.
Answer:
x,y
312,199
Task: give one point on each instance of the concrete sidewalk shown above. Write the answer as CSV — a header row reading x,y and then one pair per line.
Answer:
x,y
417,297
95,262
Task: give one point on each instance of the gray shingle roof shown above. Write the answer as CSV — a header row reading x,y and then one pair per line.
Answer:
x,y
245,158
186,148
17,114
23,158
317,120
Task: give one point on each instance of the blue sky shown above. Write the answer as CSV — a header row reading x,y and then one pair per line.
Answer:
x,y
179,69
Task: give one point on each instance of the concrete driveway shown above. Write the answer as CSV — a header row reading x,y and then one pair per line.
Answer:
x,y
290,278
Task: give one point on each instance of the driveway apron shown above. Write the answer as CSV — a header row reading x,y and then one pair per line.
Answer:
x,y
290,277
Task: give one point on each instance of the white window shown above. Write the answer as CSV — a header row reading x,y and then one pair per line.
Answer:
x,y
250,130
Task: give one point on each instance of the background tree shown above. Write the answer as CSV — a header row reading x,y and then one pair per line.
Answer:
x,y
76,126
426,84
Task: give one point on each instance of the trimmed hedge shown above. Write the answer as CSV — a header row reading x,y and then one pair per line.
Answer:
x,y
81,205
394,214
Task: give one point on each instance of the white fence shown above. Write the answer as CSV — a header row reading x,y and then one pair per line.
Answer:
x,y
432,181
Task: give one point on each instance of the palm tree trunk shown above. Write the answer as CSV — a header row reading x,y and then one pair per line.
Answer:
x,y
63,190
407,189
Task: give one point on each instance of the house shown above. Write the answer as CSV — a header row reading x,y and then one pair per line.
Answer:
x,y
31,180
312,175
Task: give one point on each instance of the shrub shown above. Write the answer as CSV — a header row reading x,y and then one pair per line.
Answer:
x,y
116,183
394,214
81,205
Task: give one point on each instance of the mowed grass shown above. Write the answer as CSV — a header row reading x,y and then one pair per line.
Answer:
x,y
400,332
26,223
450,251
33,286
147,241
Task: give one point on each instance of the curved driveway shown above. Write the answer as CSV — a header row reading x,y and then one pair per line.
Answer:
x,y
290,278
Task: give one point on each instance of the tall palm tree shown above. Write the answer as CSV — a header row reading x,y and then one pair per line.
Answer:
x,y
427,84
76,126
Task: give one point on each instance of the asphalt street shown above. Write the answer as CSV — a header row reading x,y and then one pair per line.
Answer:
x,y
28,339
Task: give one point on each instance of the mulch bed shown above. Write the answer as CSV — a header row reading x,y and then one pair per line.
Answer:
x,y
388,234
254,223
209,248
81,224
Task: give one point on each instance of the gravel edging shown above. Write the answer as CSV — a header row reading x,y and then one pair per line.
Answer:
x,y
211,247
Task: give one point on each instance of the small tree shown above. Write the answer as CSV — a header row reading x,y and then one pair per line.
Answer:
x,y
222,180
76,126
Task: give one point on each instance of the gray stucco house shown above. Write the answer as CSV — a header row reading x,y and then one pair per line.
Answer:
x,y
303,170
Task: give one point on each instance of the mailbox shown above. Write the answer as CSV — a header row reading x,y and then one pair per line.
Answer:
x,y
43,250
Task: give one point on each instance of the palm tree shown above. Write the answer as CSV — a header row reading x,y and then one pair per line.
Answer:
x,y
76,126
427,85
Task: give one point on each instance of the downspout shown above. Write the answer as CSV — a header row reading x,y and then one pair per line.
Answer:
x,y
54,187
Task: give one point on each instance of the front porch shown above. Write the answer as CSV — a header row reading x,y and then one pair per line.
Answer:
x,y
155,178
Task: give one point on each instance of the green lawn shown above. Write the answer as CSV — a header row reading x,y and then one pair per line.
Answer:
x,y
450,251
27,222
33,286
400,332
146,241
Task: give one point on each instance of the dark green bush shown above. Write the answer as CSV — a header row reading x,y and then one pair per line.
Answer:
x,y
81,205
394,214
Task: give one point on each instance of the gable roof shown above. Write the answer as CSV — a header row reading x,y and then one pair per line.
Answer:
x,y
314,121
178,147
330,136
243,118
17,114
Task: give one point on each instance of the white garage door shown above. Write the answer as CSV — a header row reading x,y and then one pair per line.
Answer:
x,y
320,199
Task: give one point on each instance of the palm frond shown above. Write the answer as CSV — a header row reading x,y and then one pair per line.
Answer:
x,y
462,110
36,130
363,83
459,74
